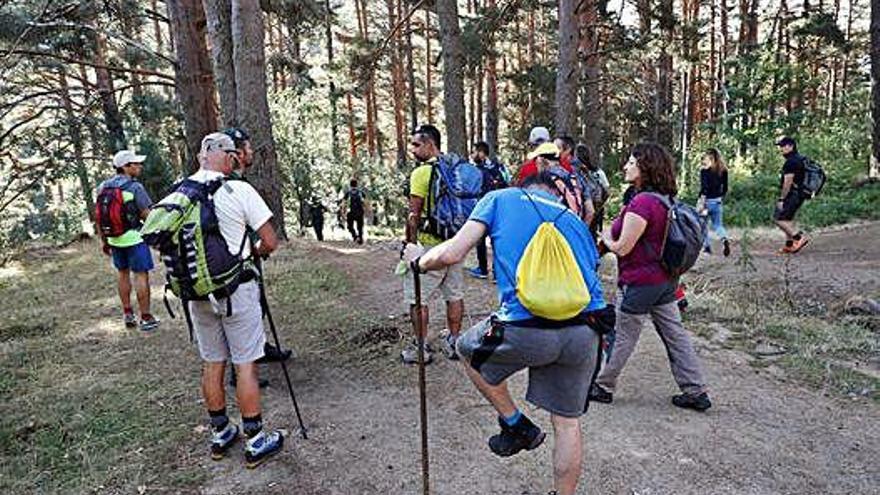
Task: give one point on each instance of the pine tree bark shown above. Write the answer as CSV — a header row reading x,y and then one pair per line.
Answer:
x,y
112,118
874,168
76,139
566,69
665,76
334,104
492,92
411,76
253,107
429,59
453,80
194,81
218,14
397,86
592,114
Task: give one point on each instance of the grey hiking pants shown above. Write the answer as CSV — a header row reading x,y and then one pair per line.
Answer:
x,y
635,306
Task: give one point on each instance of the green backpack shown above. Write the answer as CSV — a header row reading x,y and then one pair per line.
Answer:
x,y
184,228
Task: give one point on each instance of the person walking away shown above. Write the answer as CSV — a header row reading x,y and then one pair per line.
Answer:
x,y
495,177
597,184
449,282
121,207
560,354
646,291
537,137
713,188
790,196
316,212
244,160
238,334
355,217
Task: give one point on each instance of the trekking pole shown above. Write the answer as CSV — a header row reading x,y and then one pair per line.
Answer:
x,y
423,405
265,305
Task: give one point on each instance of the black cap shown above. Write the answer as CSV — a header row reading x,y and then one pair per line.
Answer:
x,y
238,135
786,141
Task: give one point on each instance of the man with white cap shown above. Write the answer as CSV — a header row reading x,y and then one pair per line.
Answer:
x,y
122,203
538,136
236,335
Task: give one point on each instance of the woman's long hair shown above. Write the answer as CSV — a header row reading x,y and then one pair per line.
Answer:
x,y
718,165
656,167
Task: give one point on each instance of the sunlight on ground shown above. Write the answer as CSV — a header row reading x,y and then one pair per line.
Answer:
x,y
343,250
10,271
103,327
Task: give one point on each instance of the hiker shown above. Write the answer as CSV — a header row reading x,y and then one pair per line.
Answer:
x,y
316,214
569,185
355,212
121,206
537,136
243,161
238,334
597,183
713,188
494,177
645,287
560,355
425,147
790,197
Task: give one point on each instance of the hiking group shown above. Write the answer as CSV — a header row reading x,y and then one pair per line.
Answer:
x,y
545,226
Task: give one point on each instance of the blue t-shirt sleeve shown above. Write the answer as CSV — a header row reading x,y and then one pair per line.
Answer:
x,y
141,198
484,212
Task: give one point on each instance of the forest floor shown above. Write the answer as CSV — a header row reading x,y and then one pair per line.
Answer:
x,y
793,370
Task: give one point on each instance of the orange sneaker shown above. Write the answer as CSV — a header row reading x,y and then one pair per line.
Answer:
x,y
799,244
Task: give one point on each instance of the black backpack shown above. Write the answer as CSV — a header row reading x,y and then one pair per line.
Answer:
x,y
814,179
355,200
684,236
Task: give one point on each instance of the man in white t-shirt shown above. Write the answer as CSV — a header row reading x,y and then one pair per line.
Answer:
x,y
238,336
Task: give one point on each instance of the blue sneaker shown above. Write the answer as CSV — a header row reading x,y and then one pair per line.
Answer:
x,y
222,440
476,272
261,447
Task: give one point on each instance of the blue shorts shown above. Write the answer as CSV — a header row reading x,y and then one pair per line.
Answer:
x,y
136,258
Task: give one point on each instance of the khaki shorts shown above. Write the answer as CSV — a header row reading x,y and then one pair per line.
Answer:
x,y
449,282
240,336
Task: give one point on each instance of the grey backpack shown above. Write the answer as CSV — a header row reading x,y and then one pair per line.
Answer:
x,y
683,239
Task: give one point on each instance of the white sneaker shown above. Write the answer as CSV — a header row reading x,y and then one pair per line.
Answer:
x,y
447,344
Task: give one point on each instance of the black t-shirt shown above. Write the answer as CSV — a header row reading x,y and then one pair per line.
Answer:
x,y
713,185
355,197
794,164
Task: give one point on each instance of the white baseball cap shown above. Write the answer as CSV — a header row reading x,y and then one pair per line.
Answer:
x,y
124,157
217,141
539,135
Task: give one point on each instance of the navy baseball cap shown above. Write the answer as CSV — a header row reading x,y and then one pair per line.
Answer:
x,y
786,141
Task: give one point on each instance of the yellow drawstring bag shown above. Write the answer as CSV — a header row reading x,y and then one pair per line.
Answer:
x,y
549,282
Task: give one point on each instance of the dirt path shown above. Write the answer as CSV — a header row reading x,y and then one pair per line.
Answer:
x,y
763,435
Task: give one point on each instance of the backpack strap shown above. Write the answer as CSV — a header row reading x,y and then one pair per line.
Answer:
x,y
668,203
538,211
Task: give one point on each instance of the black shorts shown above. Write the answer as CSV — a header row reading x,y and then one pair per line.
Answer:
x,y
790,205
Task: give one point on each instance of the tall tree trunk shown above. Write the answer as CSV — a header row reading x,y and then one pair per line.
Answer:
x,y
397,86
874,168
429,59
352,136
566,69
253,106
592,115
665,76
112,118
453,80
334,110
492,92
194,81
75,135
219,23
411,77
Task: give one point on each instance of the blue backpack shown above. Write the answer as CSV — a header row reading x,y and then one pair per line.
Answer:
x,y
455,187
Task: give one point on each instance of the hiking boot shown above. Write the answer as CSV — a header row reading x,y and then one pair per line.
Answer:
x,y
149,323
130,320
522,435
222,440
272,354
447,345
726,250
697,402
599,394
477,272
799,244
261,447
410,354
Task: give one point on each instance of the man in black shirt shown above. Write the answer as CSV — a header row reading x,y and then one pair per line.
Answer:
x,y
494,177
355,217
790,196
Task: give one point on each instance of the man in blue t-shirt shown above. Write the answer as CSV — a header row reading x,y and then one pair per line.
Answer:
x,y
561,355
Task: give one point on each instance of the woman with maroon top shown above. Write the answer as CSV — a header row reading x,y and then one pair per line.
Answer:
x,y
646,290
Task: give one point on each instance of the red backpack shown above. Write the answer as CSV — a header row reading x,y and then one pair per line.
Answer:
x,y
112,214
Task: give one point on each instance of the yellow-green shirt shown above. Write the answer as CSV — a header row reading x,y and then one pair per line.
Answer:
x,y
420,185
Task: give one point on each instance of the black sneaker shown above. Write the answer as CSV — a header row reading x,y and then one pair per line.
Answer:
x,y
726,247
699,402
523,435
272,354
599,394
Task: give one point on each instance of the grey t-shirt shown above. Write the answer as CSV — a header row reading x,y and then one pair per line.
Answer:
x,y
141,198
